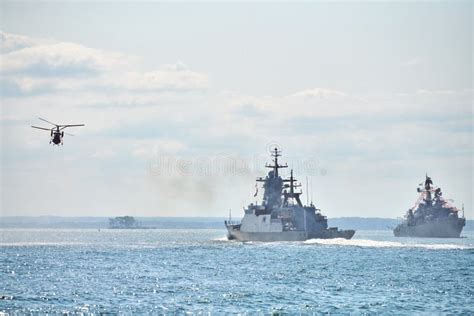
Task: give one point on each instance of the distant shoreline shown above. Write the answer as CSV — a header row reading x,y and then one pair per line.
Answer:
x,y
358,223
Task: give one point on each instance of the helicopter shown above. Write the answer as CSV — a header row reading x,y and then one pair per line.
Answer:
x,y
57,133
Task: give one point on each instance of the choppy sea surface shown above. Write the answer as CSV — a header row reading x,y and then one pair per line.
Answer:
x,y
180,271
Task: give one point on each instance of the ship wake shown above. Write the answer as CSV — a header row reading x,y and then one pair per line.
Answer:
x,y
384,244
223,239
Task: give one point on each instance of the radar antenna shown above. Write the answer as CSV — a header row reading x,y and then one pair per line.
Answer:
x,y
275,154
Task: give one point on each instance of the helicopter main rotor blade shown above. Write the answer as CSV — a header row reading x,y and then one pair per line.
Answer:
x,y
69,134
46,129
70,125
47,121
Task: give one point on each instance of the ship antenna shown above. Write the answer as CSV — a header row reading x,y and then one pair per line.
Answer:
x,y
311,191
275,154
307,194
230,215
463,210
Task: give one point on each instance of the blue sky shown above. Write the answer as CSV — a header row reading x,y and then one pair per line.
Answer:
x,y
181,102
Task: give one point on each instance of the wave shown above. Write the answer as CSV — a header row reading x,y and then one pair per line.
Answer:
x,y
383,244
38,243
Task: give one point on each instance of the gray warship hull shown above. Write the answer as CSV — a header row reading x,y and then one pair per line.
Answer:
x,y
442,228
234,234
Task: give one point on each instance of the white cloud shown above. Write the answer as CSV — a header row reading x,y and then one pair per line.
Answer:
x,y
11,42
33,67
60,60
319,93
167,79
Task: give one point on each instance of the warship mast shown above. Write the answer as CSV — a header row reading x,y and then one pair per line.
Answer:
x,y
276,153
292,194
273,183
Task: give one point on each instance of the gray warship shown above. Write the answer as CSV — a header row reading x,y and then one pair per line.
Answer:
x,y
432,216
282,216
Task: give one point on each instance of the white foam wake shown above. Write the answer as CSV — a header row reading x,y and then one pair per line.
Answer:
x,y
383,244
221,239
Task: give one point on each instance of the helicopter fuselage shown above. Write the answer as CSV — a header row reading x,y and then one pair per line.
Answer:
x,y
56,139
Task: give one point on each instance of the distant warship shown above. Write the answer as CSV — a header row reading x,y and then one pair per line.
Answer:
x,y
282,216
432,215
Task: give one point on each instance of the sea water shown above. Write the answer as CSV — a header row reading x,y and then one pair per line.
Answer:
x,y
180,271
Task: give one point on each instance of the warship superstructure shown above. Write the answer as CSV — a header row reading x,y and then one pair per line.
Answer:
x,y
282,216
431,216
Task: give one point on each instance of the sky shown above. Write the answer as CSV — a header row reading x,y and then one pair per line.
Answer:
x,y
183,101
